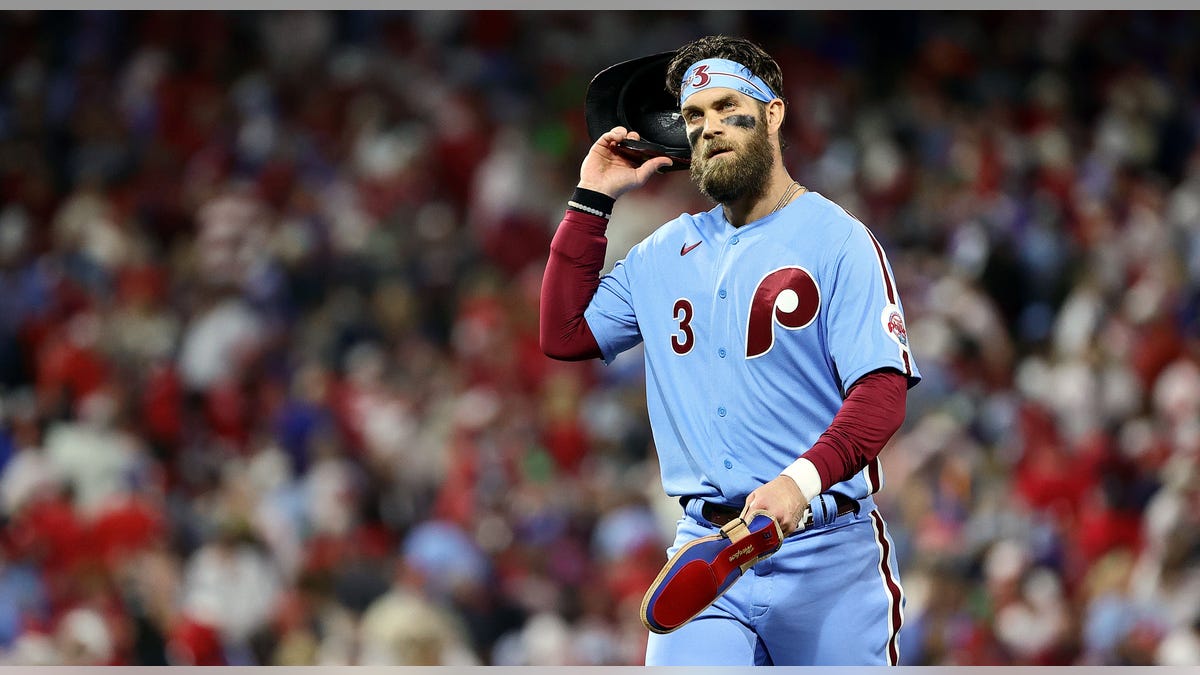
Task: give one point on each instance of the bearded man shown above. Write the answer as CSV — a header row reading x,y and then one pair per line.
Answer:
x,y
777,367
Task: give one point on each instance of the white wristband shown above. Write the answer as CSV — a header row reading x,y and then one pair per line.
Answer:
x,y
805,475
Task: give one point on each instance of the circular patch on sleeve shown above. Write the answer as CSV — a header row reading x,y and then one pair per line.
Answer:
x,y
893,325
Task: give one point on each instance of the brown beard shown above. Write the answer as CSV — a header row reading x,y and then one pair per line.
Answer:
x,y
743,175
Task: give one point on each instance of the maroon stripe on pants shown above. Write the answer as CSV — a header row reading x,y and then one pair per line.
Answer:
x,y
893,587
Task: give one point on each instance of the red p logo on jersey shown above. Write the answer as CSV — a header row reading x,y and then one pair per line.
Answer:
x,y
789,297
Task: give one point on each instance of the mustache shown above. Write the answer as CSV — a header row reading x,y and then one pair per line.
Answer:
x,y
714,148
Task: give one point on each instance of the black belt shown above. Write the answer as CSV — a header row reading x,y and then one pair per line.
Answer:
x,y
720,515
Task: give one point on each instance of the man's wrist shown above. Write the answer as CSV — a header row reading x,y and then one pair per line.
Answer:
x,y
591,201
805,475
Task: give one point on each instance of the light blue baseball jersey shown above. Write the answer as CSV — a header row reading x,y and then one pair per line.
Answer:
x,y
752,337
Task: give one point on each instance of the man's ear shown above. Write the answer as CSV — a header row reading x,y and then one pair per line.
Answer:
x,y
775,112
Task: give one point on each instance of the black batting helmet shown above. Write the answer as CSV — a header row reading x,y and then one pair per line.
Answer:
x,y
632,94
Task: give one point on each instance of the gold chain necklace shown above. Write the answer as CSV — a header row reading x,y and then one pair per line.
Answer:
x,y
787,195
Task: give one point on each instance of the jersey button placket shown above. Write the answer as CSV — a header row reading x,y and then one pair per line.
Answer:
x,y
724,311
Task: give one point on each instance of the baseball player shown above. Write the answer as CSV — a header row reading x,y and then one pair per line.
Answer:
x,y
777,366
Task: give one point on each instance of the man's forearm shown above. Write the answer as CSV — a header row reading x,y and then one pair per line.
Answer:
x,y
572,276
873,411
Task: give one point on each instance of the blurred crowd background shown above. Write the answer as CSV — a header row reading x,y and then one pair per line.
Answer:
x,y
270,388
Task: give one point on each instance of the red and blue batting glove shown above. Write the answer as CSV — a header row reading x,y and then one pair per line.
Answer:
x,y
702,570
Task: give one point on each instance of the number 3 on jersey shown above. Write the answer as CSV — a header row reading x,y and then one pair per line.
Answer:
x,y
684,339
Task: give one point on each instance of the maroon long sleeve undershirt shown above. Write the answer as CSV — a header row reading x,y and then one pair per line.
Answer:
x,y
874,407
571,278
873,411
